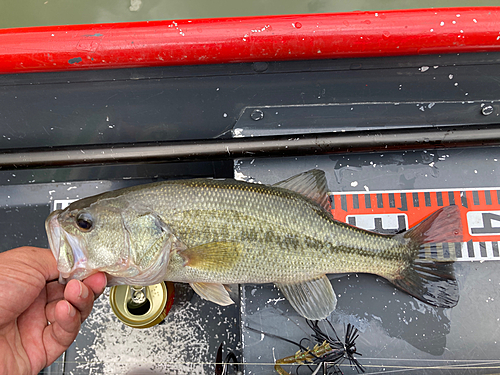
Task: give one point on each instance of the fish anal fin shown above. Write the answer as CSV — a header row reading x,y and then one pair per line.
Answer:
x,y
313,299
311,184
432,280
216,293
212,256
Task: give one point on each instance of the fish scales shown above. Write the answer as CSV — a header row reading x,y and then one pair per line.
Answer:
x,y
285,237
209,233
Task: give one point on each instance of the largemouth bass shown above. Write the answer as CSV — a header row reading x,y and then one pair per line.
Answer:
x,y
210,233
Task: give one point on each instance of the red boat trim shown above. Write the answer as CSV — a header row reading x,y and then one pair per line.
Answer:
x,y
249,39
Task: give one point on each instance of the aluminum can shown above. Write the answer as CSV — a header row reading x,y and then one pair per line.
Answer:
x,y
142,307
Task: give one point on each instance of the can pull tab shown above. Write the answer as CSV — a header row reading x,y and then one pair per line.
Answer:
x,y
138,294
139,303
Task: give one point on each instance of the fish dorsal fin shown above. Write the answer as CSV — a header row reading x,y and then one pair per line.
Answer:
x,y
213,256
311,184
215,293
313,299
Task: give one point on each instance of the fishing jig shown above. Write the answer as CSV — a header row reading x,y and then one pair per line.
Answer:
x,y
329,351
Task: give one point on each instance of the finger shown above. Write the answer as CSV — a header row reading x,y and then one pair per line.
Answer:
x,y
80,296
46,263
25,272
55,291
34,258
97,282
31,324
58,336
50,311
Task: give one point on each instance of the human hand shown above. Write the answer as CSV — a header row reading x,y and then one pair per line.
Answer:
x,y
39,318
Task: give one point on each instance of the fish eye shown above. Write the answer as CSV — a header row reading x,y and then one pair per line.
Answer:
x,y
84,221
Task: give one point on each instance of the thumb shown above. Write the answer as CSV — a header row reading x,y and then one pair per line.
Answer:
x,y
33,258
24,272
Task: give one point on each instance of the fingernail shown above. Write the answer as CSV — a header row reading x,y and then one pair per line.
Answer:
x,y
71,310
84,291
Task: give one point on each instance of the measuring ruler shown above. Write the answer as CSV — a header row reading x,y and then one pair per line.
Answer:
x,y
390,212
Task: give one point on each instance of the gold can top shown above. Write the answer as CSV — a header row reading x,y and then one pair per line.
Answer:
x,y
140,307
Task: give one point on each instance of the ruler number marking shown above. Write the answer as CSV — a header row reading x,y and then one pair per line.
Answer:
x,y
483,222
382,223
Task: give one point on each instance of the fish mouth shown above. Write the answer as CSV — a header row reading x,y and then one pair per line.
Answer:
x,y
67,250
53,229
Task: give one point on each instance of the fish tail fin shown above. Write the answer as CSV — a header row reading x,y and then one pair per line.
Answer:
x,y
428,279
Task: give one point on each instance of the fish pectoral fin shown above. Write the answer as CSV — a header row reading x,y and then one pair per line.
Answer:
x,y
313,299
213,256
311,184
216,293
